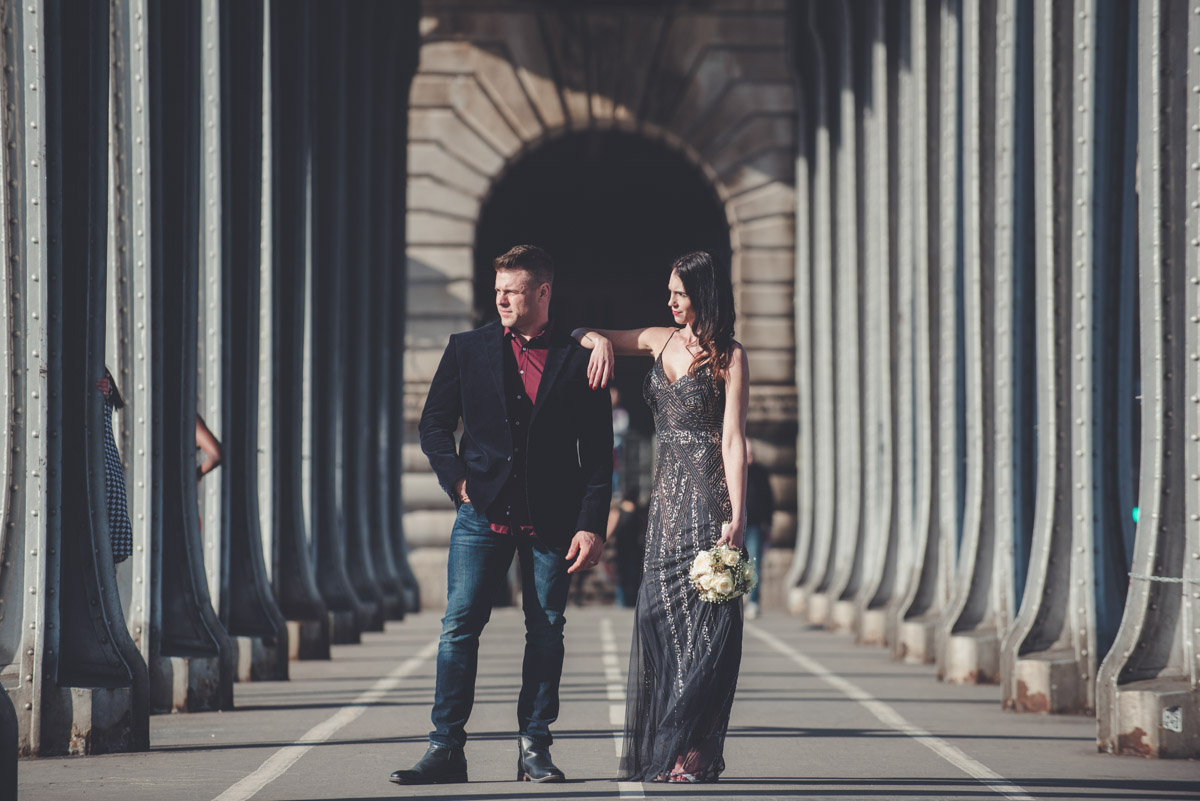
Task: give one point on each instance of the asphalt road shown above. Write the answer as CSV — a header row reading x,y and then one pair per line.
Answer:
x,y
815,717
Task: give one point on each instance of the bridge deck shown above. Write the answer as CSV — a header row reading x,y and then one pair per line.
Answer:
x,y
815,716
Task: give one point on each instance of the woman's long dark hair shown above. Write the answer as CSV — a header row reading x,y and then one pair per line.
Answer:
x,y
711,294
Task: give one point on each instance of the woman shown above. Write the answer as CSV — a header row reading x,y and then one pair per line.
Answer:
x,y
686,652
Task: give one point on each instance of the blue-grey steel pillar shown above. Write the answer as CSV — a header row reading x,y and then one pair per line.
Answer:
x,y
370,568
80,684
802,303
880,539
353,612
817,562
251,612
1148,687
130,341
400,47
896,576
294,576
981,601
831,605
194,659
937,379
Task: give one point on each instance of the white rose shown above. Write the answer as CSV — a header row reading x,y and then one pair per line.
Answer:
x,y
730,557
701,564
706,582
750,573
723,584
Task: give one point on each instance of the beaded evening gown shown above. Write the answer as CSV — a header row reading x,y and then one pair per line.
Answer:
x,y
686,652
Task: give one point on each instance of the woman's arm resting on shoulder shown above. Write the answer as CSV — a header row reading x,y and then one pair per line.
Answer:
x,y
605,344
733,445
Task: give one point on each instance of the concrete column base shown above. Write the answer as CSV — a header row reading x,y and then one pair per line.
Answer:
x,y
843,616
971,658
797,600
245,659
1049,683
84,721
818,609
185,684
917,642
308,639
344,628
1158,718
872,627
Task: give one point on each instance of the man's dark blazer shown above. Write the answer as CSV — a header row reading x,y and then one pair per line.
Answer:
x,y
569,445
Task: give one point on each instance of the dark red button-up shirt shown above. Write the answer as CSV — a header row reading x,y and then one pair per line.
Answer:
x,y
524,363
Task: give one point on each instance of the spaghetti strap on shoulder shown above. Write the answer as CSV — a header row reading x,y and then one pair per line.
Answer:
x,y
664,347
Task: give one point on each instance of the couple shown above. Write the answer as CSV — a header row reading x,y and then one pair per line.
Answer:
x,y
532,473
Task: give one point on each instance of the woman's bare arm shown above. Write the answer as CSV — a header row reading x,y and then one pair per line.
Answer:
x,y
605,344
733,444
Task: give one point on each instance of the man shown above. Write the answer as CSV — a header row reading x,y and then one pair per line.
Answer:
x,y
533,473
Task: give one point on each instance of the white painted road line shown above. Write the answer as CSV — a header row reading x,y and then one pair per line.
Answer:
x,y
616,692
278,763
890,717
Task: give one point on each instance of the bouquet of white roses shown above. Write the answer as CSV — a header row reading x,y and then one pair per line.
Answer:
x,y
721,574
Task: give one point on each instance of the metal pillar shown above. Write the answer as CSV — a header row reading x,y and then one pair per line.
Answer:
x,y
802,303
1148,687
879,542
979,609
818,560
251,611
294,577
195,659
896,576
353,612
131,319
80,684
831,606
937,378
402,48
370,568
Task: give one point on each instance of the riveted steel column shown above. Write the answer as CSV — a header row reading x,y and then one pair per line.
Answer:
x,y
403,48
935,313
975,619
212,396
903,122
373,578
802,304
879,542
264,463
195,662
818,560
291,89
352,612
251,613
1078,539
846,554
94,697
131,343
24,619
14,640
1148,694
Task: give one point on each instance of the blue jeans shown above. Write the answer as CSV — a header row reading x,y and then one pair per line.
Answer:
x,y
478,561
757,535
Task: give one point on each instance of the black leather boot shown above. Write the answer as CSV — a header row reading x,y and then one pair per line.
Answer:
x,y
533,763
440,765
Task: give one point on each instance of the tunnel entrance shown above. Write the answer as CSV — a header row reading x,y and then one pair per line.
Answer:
x,y
614,209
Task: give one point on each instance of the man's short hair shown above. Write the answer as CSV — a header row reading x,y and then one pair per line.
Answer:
x,y
531,259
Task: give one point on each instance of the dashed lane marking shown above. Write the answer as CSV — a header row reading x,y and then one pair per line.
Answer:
x,y
279,762
890,717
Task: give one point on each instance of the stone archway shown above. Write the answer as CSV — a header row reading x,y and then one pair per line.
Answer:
x,y
712,84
